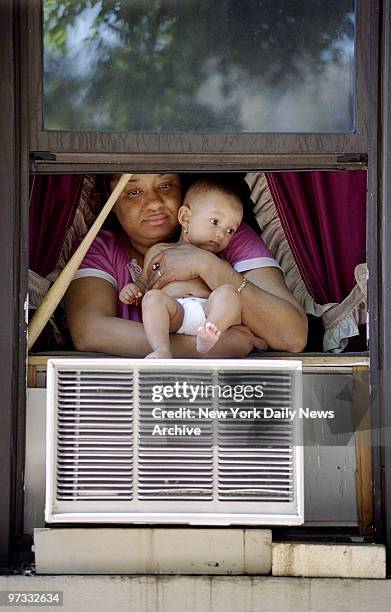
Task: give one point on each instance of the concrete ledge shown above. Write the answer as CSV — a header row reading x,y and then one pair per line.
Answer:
x,y
152,551
329,560
207,594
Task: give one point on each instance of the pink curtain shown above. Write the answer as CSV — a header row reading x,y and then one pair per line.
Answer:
x,y
53,202
324,218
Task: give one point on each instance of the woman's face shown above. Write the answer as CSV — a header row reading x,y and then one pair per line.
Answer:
x,y
148,208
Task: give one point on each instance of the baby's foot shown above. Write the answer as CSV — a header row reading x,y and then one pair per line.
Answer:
x,y
207,336
160,353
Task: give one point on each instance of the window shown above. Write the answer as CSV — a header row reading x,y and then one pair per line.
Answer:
x,y
174,78
200,66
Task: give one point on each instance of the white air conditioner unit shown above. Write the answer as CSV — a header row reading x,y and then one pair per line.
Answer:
x,y
174,441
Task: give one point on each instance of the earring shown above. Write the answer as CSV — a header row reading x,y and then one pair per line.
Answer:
x,y
186,230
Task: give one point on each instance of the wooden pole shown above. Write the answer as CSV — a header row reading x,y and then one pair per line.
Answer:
x,y
59,287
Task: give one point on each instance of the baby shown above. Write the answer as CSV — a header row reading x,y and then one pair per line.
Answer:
x,y
210,215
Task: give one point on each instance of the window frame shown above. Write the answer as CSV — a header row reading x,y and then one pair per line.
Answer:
x,y
244,150
18,115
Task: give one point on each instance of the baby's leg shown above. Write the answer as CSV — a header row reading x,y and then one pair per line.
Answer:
x,y
223,309
162,314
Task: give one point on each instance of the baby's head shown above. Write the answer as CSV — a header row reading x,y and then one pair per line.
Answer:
x,y
210,215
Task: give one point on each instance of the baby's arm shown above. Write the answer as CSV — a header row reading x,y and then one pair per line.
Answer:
x,y
130,294
133,292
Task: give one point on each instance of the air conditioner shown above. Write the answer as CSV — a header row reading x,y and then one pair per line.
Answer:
x,y
207,442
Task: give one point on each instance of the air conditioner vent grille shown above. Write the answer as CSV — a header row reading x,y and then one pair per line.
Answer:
x,y
94,435
255,452
173,467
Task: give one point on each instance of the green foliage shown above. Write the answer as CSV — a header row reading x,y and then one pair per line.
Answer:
x,y
144,64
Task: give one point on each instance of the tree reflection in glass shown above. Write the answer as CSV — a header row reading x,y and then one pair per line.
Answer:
x,y
199,65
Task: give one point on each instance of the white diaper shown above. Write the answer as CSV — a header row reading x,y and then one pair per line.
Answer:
x,y
193,316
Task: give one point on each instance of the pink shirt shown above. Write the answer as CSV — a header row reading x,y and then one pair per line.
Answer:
x,y
108,259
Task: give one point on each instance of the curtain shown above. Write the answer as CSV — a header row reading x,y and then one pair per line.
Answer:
x,y
322,213
53,202
321,218
324,218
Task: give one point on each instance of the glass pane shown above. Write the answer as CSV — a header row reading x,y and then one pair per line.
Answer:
x,y
199,65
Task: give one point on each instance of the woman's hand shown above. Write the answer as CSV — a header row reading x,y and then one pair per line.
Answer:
x,y
176,263
236,342
243,333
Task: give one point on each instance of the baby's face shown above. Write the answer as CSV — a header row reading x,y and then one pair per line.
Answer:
x,y
214,218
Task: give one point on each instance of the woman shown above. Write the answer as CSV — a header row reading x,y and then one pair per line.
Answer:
x,y
147,213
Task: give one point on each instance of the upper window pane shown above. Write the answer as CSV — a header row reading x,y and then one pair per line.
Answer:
x,y
199,65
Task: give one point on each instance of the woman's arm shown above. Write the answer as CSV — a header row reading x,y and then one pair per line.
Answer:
x,y
269,305
269,309
91,309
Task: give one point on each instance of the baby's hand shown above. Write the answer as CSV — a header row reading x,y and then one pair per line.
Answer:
x,y
130,294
